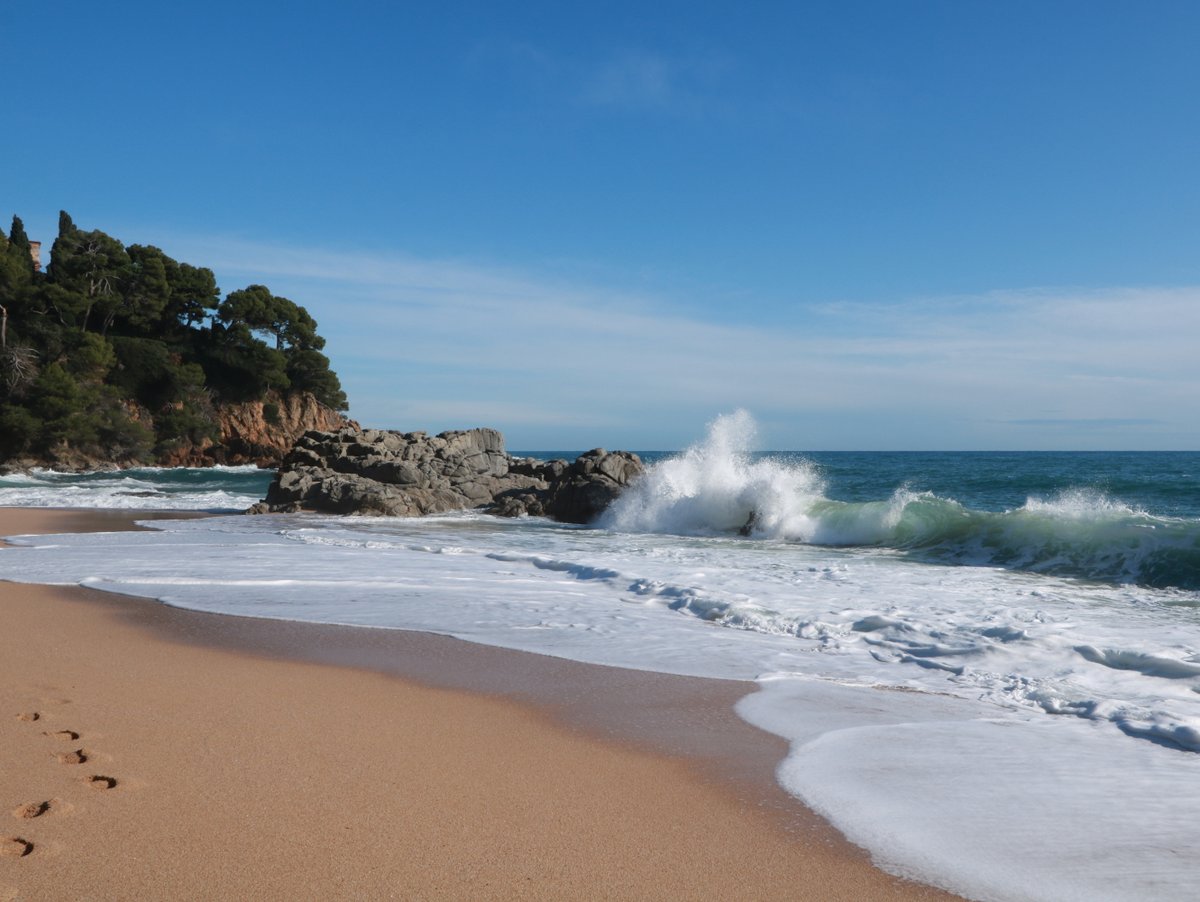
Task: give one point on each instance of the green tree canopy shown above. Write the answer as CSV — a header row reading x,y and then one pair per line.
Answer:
x,y
256,309
19,246
145,290
194,294
16,262
114,339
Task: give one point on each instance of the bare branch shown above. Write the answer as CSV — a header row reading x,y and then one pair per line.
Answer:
x,y
18,365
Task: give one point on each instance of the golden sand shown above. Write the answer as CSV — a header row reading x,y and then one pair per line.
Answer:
x,y
141,765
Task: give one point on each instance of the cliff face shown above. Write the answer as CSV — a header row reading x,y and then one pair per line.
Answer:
x,y
259,432
251,432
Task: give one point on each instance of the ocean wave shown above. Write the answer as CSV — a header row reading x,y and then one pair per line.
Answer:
x,y
139,488
718,488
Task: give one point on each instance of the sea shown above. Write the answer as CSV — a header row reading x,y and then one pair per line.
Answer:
x,y
986,665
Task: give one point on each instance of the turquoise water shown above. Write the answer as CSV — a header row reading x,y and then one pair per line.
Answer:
x,y
1113,517
1119,517
1165,483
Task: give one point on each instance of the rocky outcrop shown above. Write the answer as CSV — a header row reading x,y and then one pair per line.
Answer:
x,y
573,493
377,471
258,432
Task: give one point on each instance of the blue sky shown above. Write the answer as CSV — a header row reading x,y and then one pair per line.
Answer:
x,y
873,225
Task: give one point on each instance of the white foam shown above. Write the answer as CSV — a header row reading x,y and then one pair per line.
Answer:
x,y
225,488
1082,504
716,487
1039,747
999,808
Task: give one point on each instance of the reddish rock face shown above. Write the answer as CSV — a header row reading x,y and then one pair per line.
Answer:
x,y
249,436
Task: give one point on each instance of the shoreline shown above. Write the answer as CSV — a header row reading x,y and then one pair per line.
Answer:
x,y
666,791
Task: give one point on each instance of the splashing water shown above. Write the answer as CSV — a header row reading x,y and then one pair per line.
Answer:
x,y
716,487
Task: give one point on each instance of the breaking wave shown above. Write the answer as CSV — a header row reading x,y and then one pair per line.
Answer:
x,y
718,487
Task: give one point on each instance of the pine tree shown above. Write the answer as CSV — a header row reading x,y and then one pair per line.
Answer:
x,y
64,247
18,246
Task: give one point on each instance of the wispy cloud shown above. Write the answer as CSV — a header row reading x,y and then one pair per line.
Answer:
x,y
634,79
653,81
1080,422
424,343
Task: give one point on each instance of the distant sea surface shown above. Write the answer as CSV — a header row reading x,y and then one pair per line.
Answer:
x,y
987,664
214,489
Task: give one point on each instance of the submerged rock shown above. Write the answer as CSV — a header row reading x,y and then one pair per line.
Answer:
x,y
406,474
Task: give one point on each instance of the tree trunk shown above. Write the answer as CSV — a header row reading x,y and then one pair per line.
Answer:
x,y
3,327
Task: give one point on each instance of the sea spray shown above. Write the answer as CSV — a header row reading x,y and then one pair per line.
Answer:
x,y
717,487
720,487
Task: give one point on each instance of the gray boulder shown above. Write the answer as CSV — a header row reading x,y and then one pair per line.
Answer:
x,y
406,474
577,492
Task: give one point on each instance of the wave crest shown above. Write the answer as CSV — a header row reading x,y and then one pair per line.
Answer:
x,y
718,488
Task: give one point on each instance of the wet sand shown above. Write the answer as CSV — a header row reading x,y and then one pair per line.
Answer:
x,y
156,753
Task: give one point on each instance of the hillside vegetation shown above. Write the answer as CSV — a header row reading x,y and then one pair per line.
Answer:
x,y
121,354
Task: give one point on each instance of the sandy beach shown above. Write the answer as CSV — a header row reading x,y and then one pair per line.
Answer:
x,y
154,753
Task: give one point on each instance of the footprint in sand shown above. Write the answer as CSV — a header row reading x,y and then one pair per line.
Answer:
x,y
76,757
33,809
14,847
96,781
29,716
66,735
